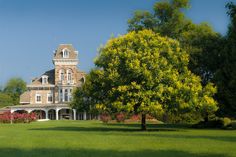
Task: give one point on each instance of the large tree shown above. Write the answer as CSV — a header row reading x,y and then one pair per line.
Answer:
x,y
14,88
199,40
226,74
145,73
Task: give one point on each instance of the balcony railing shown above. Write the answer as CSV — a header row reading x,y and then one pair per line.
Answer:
x,y
68,82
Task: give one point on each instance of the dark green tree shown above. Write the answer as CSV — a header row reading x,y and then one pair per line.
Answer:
x,y
199,40
14,88
225,77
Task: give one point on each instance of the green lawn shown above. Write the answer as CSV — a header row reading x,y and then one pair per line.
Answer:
x,y
92,138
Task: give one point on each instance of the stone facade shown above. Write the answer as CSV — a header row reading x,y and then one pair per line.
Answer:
x,y
56,85
49,94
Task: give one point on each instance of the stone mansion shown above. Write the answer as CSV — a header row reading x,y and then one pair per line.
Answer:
x,y
49,94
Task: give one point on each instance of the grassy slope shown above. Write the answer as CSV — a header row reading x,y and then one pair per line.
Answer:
x,y
91,138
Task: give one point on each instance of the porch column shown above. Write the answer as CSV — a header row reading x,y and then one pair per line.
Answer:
x,y
63,95
46,114
85,118
57,112
29,111
74,112
11,115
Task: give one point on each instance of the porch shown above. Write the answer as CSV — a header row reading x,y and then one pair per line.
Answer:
x,y
51,111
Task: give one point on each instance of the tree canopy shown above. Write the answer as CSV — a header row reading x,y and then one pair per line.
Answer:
x,y
14,88
142,72
225,77
199,40
5,100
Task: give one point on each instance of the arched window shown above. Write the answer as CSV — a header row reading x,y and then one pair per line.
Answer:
x,y
61,75
69,75
65,53
82,79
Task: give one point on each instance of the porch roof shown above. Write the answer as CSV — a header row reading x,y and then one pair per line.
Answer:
x,y
38,106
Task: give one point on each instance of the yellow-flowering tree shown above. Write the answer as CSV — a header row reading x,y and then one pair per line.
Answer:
x,y
144,73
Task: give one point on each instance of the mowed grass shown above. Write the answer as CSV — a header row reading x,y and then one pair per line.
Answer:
x,y
94,139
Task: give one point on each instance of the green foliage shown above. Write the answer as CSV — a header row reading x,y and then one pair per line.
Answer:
x,y
14,88
180,118
226,121
233,125
147,74
5,100
225,77
215,122
199,40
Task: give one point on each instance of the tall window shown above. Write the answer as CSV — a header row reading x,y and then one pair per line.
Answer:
x,y
70,95
69,75
61,95
61,76
38,98
66,95
50,98
66,53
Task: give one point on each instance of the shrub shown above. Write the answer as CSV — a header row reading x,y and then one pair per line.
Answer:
x,y
105,118
216,122
120,117
226,122
9,117
135,117
149,117
180,118
233,125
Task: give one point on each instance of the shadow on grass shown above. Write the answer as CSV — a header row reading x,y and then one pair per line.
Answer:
x,y
112,128
101,129
118,127
50,152
218,138
152,126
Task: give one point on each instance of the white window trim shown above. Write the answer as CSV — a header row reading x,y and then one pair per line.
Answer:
x,y
66,95
64,54
49,94
38,102
60,72
71,76
44,77
61,95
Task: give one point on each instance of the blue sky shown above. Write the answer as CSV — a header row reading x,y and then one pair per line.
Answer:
x,y
30,30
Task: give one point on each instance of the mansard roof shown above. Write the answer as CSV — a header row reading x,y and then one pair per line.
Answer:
x,y
51,78
37,82
73,54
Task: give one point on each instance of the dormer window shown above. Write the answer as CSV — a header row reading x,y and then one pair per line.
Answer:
x,y
65,53
44,79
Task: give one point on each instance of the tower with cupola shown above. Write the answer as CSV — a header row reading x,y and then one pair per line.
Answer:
x,y
67,75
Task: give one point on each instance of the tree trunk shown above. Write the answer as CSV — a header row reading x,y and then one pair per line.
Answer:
x,y
206,119
143,124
